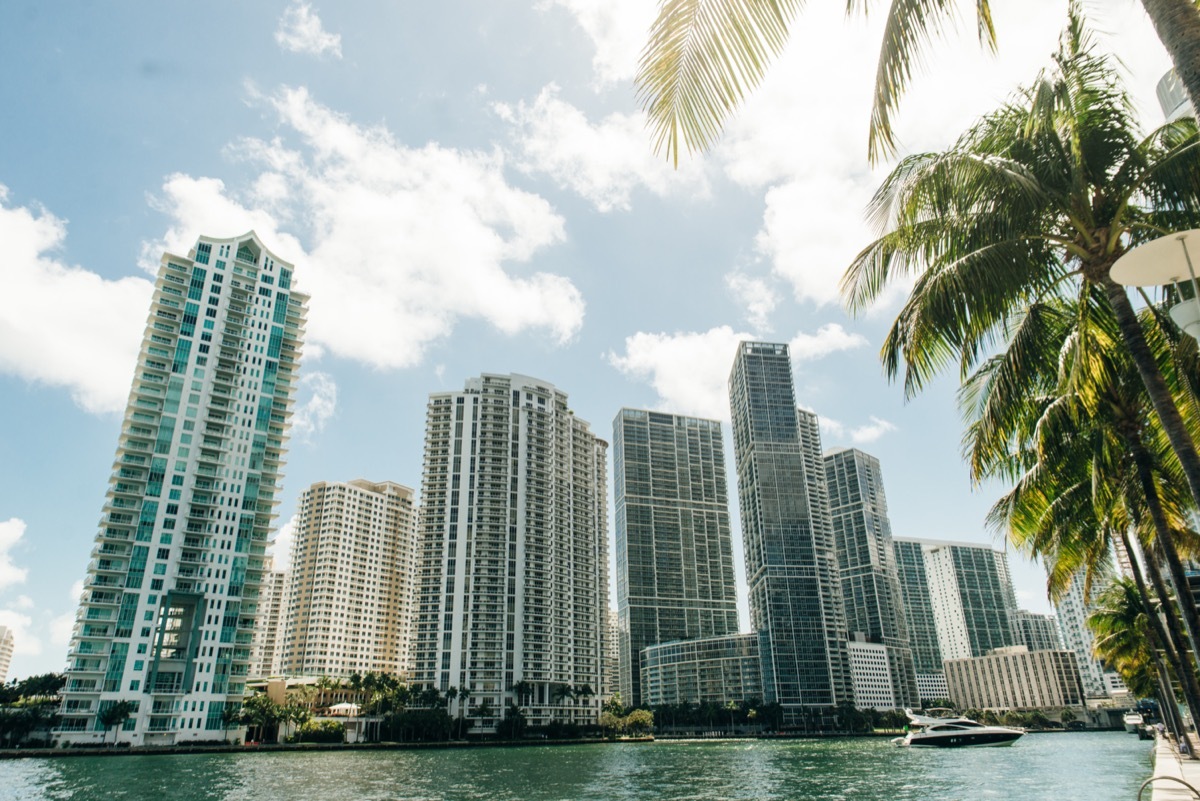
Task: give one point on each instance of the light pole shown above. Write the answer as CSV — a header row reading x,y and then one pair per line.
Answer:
x,y
1166,260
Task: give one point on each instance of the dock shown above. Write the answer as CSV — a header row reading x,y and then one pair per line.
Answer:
x,y
1173,773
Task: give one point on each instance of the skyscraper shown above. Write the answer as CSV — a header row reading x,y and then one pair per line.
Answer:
x,y
272,608
6,652
866,563
675,577
1072,615
972,597
917,604
513,600
791,567
170,599
1036,632
353,581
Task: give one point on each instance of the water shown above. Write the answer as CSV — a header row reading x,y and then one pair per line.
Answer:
x,y
1055,767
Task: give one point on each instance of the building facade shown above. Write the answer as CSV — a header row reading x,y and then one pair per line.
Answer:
x,y
353,580
674,551
1072,611
268,629
513,595
1016,678
1036,632
171,594
867,568
872,674
972,597
917,605
1173,97
711,670
791,565
6,652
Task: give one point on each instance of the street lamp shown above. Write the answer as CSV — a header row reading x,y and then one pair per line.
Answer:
x,y
1166,260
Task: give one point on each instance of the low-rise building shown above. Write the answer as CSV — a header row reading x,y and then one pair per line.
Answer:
x,y
1016,678
716,669
870,675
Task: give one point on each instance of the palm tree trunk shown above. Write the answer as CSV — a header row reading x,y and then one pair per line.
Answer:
x,y
1177,23
1152,377
1168,707
1162,530
1172,641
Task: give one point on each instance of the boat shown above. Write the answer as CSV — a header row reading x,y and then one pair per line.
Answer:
x,y
953,731
1133,720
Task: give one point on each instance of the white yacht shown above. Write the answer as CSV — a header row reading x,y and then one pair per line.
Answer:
x,y
1133,720
952,731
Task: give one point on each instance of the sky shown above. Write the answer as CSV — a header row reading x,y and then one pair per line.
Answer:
x,y
464,187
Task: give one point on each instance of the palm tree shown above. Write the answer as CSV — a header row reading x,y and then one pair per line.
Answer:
x,y
1061,413
703,57
1048,191
231,715
464,701
114,715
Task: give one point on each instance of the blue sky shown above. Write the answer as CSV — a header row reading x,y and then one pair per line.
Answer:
x,y
464,187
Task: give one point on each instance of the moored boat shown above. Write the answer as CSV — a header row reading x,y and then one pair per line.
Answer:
x,y
1133,720
951,731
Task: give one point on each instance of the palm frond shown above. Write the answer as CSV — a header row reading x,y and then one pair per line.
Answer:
x,y
701,60
909,27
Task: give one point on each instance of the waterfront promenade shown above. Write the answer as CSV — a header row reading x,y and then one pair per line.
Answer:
x,y
1170,769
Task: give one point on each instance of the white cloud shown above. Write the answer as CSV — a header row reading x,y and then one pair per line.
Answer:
x,y
690,370
316,405
23,602
834,431
871,432
61,325
618,30
280,548
402,242
300,31
756,296
603,162
25,641
830,428
11,531
830,338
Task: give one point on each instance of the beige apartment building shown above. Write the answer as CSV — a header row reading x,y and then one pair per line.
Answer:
x,y
350,596
268,631
1016,678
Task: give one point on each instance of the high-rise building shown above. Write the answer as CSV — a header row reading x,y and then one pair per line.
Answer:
x,y
1036,632
972,597
675,577
6,652
513,601
272,608
1173,97
791,566
1072,611
171,595
867,568
917,605
353,580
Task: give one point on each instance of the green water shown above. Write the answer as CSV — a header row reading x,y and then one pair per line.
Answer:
x,y
1055,767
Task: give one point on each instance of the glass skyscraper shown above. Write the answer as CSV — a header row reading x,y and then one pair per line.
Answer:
x,y
675,578
167,616
791,566
870,584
